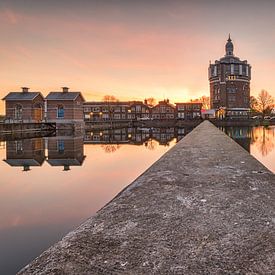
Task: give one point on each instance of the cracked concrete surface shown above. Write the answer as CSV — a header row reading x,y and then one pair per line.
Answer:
x,y
205,207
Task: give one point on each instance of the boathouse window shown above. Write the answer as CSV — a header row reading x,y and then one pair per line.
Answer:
x,y
60,111
19,147
18,111
60,146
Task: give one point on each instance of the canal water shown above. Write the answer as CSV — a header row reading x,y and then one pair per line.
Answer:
x,y
52,184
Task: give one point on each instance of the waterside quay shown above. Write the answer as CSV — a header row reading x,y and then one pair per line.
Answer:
x,y
31,127
205,207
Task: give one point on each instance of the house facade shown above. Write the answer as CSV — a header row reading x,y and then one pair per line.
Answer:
x,y
106,111
189,110
64,106
163,111
24,106
115,111
138,110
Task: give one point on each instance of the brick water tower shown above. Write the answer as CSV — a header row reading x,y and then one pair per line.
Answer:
x,y
229,80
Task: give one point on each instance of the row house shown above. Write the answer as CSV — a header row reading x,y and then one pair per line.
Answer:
x,y
189,110
106,111
163,111
138,110
119,110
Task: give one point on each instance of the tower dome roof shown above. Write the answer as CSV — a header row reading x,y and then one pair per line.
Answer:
x,y
229,47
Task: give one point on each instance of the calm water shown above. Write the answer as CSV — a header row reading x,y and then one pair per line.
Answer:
x,y
50,185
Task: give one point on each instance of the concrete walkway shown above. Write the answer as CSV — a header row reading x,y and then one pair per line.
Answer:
x,y
206,207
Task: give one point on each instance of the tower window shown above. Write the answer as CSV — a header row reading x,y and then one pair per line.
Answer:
x,y
231,77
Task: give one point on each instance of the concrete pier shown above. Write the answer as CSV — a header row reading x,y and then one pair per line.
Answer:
x,y
205,207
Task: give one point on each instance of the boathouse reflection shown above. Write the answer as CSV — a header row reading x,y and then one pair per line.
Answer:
x,y
25,153
65,151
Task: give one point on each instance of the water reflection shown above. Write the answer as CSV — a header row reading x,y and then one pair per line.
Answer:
x,y
242,135
25,153
264,139
111,139
65,151
40,206
259,141
261,137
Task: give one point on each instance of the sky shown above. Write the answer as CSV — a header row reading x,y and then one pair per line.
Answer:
x,y
131,49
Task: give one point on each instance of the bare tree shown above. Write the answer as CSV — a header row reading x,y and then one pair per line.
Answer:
x,y
253,104
265,102
205,100
110,98
110,148
151,101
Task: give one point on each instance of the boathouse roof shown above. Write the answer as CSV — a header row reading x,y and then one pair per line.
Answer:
x,y
63,96
18,96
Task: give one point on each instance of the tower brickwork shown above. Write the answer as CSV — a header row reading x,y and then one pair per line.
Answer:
x,y
229,79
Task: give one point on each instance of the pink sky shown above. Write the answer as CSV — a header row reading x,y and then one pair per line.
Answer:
x,y
132,50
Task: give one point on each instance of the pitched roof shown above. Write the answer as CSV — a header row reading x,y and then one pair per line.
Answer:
x,y
68,162
63,96
22,96
24,162
187,103
110,103
164,103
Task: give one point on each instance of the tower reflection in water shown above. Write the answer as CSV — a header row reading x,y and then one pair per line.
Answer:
x,y
242,135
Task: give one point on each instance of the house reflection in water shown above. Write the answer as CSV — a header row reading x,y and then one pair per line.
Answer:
x,y
242,135
136,136
25,153
65,151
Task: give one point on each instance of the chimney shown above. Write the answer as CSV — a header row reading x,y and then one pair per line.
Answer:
x,y
65,89
25,89
145,101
